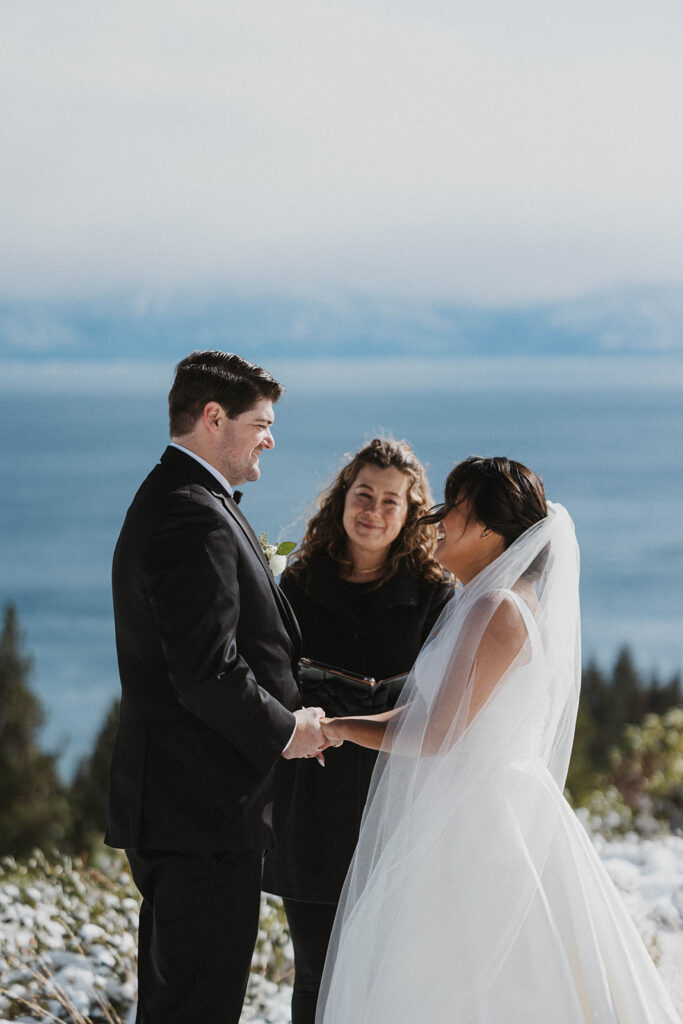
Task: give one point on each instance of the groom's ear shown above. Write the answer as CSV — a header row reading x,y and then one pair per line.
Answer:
x,y
212,416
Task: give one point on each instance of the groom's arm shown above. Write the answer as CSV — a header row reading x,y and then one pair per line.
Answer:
x,y
192,585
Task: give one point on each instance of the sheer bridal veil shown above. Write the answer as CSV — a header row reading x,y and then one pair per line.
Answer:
x,y
474,894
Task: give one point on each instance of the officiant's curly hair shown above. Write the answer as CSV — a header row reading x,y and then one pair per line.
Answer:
x,y
415,544
213,376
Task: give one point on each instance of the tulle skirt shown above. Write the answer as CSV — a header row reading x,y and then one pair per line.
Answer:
x,y
499,914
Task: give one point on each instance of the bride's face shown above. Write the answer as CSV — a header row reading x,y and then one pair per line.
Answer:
x,y
465,546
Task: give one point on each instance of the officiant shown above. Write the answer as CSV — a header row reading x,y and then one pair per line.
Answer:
x,y
366,591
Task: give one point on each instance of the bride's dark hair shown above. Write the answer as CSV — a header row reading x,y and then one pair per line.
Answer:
x,y
415,544
504,495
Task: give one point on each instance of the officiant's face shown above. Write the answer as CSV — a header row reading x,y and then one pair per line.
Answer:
x,y
375,508
241,440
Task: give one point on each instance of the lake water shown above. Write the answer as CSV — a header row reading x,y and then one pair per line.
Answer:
x,y
611,451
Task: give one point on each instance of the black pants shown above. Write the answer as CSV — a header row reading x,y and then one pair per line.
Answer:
x,y
310,925
198,926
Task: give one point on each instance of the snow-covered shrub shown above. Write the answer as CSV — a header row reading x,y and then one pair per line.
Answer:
x,y
604,813
642,788
68,939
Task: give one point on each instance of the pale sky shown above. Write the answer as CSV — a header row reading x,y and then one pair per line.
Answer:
x,y
486,151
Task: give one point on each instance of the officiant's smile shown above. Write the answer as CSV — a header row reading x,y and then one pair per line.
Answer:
x,y
375,511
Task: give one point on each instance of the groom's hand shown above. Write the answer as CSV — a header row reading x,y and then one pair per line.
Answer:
x,y
308,737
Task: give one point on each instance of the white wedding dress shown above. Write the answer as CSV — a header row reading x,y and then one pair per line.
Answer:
x,y
474,896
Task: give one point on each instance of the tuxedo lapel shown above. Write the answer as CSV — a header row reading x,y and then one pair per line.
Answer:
x,y
290,620
283,604
183,464
231,506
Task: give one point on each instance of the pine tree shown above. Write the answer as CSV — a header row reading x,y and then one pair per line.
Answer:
x,y
32,806
594,691
628,696
581,775
595,709
88,792
662,697
609,705
612,703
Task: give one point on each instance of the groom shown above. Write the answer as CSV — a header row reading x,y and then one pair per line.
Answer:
x,y
207,649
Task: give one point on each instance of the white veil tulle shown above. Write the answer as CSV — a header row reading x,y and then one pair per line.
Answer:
x,y
471,893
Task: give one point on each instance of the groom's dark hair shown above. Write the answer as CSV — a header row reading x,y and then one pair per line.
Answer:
x,y
235,383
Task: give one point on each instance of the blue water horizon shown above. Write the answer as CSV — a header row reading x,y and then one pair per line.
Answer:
x,y
612,453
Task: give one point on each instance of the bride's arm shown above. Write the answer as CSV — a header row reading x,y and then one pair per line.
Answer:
x,y
500,645
474,677
469,684
365,730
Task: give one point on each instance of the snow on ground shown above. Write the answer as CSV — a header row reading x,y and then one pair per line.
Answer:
x,y
649,875
78,931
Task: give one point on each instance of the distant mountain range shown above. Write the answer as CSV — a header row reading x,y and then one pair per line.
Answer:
x,y
644,320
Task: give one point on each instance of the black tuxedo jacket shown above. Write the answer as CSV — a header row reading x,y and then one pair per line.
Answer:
x,y
207,649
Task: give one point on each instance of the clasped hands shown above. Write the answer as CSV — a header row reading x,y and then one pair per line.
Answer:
x,y
313,734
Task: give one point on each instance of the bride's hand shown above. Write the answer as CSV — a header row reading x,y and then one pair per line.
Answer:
x,y
328,726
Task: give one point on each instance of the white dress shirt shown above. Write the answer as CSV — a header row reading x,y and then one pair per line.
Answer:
x,y
207,465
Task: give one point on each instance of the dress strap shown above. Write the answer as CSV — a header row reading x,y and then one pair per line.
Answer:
x,y
525,612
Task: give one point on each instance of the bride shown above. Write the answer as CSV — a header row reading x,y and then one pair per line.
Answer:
x,y
474,895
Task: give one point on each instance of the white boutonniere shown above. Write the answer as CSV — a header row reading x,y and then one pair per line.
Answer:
x,y
276,554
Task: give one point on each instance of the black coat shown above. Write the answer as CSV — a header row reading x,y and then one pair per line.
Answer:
x,y
318,810
207,650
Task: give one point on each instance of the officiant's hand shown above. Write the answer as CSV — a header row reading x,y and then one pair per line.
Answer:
x,y
308,737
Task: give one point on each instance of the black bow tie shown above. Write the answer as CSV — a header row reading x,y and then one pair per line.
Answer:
x,y
237,497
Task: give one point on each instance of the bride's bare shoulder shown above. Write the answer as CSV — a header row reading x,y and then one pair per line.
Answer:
x,y
501,620
504,602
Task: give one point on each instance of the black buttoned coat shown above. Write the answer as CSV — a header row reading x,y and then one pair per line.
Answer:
x,y
317,811
208,651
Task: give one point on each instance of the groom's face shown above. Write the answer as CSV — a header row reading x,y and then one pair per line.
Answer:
x,y
240,441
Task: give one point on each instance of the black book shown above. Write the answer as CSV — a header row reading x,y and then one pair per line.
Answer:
x,y
340,692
